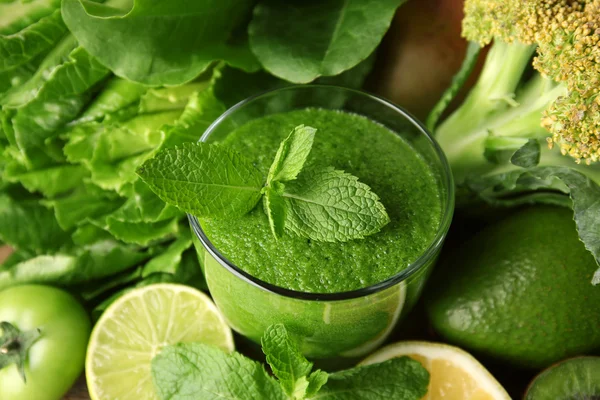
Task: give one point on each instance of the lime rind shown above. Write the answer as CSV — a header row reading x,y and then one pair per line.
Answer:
x,y
136,327
574,378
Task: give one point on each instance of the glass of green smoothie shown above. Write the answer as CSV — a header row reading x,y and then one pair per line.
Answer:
x,y
341,299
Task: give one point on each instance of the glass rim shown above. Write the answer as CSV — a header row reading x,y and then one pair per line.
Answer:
x,y
402,275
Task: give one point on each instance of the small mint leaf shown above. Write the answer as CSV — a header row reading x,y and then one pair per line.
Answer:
x,y
399,378
292,154
316,380
331,205
206,180
274,206
288,364
198,371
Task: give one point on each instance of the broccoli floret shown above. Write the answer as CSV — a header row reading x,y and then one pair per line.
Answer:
x,y
568,49
511,103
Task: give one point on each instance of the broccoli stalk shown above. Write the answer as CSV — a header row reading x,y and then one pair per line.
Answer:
x,y
466,134
522,133
507,106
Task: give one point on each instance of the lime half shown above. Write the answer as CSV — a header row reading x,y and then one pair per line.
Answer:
x,y
135,328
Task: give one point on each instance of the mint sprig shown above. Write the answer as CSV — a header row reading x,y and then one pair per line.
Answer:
x,y
189,371
289,365
196,371
214,181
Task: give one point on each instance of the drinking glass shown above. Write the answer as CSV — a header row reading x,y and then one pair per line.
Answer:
x,y
328,325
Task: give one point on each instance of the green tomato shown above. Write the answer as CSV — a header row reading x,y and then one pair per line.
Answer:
x,y
49,330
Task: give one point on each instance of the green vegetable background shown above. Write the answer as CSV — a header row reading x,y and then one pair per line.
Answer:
x,y
98,97
73,132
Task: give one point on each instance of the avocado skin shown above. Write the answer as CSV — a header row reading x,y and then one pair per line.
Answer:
x,y
520,291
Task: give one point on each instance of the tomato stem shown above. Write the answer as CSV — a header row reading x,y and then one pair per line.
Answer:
x,y
14,346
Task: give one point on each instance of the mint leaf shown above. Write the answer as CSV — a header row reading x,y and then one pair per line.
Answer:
x,y
331,205
275,209
206,180
288,363
292,154
398,379
316,380
189,371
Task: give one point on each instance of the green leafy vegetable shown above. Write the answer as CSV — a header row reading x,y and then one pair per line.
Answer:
x,y
203,179
497,189
58,99
87,263
211,181
160,43
299,41
27,30
331,205
289,365
199,371
527,156
170,259
142,233
87,202
28,225
275,208
292,154
399,378
513,111
51,181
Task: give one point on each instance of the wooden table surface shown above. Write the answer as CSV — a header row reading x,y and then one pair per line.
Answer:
x,y
79,391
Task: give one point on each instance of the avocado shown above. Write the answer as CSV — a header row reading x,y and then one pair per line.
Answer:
x,y
519,291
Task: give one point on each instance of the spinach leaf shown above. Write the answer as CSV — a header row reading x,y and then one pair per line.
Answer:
x,y
523,186
300,40
164,42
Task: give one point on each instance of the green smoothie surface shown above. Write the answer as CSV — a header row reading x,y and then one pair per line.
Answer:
x,y
379,158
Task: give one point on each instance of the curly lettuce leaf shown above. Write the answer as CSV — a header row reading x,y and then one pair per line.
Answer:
x,y
20,47
84,264
33,112
28,225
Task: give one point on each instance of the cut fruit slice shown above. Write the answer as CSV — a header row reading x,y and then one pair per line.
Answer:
x,y
455,374
577,378
135,328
